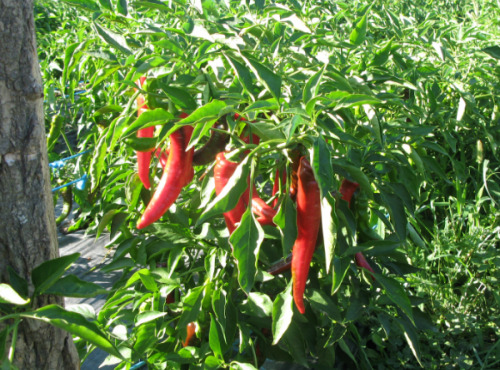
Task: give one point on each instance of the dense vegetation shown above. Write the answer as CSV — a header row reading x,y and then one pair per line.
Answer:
x,y
402,98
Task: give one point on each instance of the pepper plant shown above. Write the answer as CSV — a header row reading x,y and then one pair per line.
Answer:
x,y
370,95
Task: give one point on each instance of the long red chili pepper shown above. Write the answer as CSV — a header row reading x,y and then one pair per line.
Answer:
x,y
143,158
177,172
223,171
347,189
308,223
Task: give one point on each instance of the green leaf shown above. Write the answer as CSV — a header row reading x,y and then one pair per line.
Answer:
x,y
235,365
322,166
382,55
149,118
215,339
246,241
105,220
262,105
397,213
47,273
282,313
410,336
19,284
191,308
355,100
329,227
121,6
340,268
396,294
311,87
180,97
358,34
267,77
205,113
97,162
148,316
75,324
244,75
286,220
84,4
106,4
9,295
115,40
493,51
321,302
260,304
73,286
230,195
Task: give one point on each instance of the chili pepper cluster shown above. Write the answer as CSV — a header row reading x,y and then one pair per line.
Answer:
x,y
178,171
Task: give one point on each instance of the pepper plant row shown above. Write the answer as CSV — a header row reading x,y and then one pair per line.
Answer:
x,y
283,147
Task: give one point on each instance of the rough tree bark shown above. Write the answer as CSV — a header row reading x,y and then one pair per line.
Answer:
x,y
27,227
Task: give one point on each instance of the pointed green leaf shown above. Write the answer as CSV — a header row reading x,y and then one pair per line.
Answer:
x,y
84,4
311,87
148,316
149,118
9,295
396,294
267,77
322,166
244,75
358,34
73,286
246,241
410,336
121,6
115,40
97,162
282,313
47,273
205,113
286,220
329,227
75,324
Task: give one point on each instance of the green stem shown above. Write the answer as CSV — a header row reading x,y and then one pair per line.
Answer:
x,y
13,341
67,142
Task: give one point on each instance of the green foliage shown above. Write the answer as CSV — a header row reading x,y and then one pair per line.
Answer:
x,y
401,98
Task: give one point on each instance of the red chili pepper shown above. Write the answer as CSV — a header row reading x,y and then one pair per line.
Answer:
x,y
177,172
347,189
191,330
308,223
223,171
265,212
143,158
362,262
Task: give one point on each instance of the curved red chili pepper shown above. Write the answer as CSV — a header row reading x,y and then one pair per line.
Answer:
x,y
308,223
347,189
223,171
177,172
143,158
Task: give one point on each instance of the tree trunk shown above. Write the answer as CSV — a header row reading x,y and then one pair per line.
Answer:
x,y
28,234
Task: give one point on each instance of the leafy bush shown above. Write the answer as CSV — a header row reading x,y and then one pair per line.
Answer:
x,y
401,98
